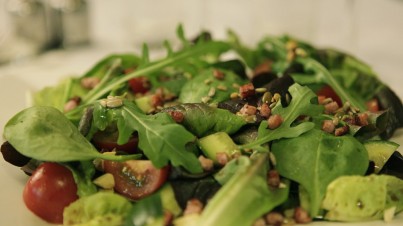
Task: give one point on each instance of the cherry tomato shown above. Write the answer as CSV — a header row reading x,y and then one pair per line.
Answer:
x,y
108,142
49,190
327,91
139,84
136,179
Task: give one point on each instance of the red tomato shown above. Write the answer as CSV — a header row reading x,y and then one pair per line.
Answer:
x,y
49,190
136,179
139,84
327,91
109,142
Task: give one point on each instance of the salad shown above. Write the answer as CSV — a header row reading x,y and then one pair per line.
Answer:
x,y
214,133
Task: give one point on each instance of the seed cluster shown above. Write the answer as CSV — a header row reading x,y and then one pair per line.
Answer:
x,y
263,109
342,116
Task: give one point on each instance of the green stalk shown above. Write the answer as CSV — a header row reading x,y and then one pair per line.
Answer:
x,y
152,67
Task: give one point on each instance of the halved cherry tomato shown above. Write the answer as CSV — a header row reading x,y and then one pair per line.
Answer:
x,y
139,84
107,141
49,190
327,91
136,179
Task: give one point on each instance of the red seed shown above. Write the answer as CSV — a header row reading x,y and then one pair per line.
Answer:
x,y
177,116
247,90
222,158
193,206
218,74
341,131
265,110
206,164
301,216
274,121
248,110
331,107
362,119
274,218
373,105
273,178
328,126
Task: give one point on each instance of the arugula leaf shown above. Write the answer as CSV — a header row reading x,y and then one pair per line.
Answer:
x,y
160,138
45,134
201,119
100,68
302,103
316,158
323,75
245,197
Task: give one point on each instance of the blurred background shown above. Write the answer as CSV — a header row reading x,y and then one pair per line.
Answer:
x,y
39,33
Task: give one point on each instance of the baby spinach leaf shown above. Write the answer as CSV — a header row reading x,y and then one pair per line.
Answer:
x,y
302,103
160,138
201,119
45,134
316,158
201,86
57,96
245,197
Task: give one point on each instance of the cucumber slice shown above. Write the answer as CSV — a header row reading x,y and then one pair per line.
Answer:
x,y
169,201
217,143
379,151
187,220
144,103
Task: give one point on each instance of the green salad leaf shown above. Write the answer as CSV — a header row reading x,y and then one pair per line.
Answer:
x,y
302,104
161,139
44,133
316,158
245,197
204,87
201,119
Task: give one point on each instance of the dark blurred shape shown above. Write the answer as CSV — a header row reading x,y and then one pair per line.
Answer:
x,y
12,156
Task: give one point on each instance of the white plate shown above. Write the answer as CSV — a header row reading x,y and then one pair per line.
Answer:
x,y
16,80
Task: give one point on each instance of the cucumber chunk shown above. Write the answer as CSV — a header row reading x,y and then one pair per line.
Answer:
x,y
379,151
169,201
144,103
219,142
